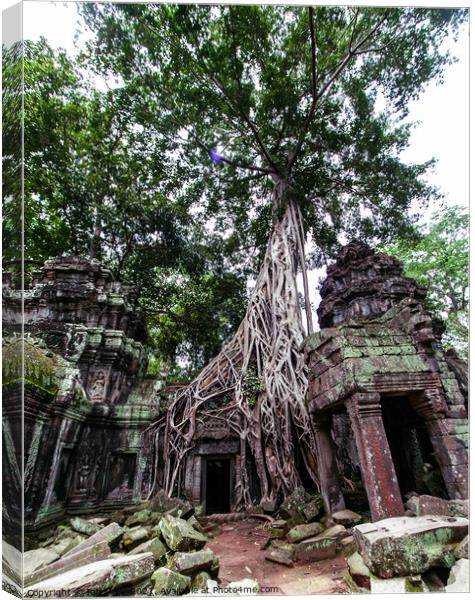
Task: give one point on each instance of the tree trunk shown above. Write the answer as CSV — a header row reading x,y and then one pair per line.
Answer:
x,y
94,249
272,417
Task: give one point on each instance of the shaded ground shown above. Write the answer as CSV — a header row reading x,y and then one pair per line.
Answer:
x,y
238,548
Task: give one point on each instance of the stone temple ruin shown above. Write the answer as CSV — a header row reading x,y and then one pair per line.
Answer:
x,y
86,396
380,382
389,408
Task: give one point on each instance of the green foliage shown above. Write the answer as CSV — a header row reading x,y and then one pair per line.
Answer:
x,y
239,79
97,182
126,174
438,260
252,386
12,152
192,315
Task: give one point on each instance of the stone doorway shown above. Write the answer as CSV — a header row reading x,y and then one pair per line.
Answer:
x,y
411,449
216,484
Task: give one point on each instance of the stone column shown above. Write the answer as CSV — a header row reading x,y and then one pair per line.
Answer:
x,y
449,441
327,465
377,468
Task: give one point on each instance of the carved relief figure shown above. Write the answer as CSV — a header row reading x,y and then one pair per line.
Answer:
x,y
84,472
98,387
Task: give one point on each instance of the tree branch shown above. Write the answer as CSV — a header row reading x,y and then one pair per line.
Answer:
x,y
293,155
317,95
237,109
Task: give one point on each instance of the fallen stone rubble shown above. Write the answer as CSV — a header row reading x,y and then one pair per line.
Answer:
x,y
156,550
159,550
304,534
427,553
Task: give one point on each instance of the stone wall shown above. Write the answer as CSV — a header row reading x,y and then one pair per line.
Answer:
x,y
86,396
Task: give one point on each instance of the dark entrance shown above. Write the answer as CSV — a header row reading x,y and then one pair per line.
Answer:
x,y
217,485
411,449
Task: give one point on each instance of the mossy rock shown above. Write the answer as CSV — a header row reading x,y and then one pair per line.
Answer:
x,y
155,546
199,582
189,563
180,536
83,526
138,518
169,583
135,536
303,532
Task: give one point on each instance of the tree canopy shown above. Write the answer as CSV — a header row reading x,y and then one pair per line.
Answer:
x,y
280,92
172,163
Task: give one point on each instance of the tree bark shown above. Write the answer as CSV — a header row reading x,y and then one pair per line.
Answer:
x,y
267,344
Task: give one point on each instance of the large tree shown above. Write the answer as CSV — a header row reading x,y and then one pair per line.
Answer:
x,y
272,113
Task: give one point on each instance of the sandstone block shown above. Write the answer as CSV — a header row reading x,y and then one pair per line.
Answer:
x,y
138,518
303,532
336,531
168,583
459,577
316,548
37,559
346,517
83,526
282,556
359,572
97,578
291,507
135,535
110,534
322,546
87,555
180,536
155,546
66,544
409,546
313,509
188,563
430,505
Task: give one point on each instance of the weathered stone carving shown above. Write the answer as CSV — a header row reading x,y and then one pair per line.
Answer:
x,y
98,387
85,393
378,359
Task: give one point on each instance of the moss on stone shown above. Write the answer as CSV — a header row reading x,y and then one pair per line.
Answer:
x,y
40,367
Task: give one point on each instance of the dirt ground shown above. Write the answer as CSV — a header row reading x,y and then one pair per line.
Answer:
x,y
238,547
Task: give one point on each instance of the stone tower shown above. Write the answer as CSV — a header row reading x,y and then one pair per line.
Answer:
x,y
378,365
